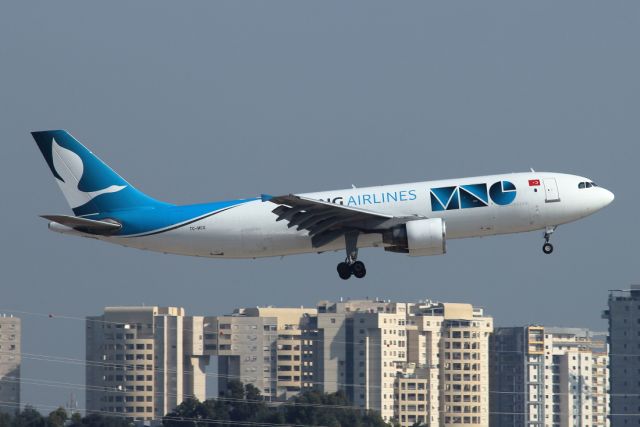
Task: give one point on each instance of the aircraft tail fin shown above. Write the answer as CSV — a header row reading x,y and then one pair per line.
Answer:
x,y
89,185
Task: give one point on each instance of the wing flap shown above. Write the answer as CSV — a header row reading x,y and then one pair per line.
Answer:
x,y
324,221
308,203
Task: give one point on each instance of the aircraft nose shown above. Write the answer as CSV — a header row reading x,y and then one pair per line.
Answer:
x,y
609,196
605,198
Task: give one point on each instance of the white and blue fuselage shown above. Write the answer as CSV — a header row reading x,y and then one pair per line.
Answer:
x,y
254,227
248,228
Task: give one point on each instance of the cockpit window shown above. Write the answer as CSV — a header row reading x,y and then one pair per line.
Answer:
x,y
587,184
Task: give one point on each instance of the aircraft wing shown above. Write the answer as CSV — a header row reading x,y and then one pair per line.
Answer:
x,y
85,225
326,221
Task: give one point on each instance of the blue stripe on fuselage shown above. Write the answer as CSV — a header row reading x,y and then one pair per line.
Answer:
x,y
141,221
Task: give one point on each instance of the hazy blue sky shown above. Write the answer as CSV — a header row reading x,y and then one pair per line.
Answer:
x,y
207,100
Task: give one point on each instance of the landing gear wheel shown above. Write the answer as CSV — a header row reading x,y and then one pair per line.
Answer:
x,y
358,269
344,270
547,248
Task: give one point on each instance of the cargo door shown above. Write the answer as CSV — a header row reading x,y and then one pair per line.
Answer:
x,y
551,190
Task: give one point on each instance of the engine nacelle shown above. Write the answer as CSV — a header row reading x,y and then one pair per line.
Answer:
x,y
421,237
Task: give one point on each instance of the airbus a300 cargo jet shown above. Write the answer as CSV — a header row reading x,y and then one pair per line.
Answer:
x,y
414,219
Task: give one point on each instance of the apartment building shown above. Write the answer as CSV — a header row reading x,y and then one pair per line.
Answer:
x,y
454,338
413,396
366,346
10,359
424,362
143,361
623,315
551,377
360,343
264,346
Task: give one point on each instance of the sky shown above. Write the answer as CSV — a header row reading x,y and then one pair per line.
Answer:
x,y
212,100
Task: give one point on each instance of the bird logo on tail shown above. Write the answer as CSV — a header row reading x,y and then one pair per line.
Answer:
x,y
69,169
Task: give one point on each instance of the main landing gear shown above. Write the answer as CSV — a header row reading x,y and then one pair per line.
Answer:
x,y
347,269
547,248
351,265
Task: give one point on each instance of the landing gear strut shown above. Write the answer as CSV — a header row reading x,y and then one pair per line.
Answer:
x,y
547,248
351,265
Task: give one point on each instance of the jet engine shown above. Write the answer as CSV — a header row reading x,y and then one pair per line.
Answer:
x,y
420,237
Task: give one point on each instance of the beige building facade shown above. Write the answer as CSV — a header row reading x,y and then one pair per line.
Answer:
x,y
264,346
454,338
360,344
423,362
372,348
142,362
413,399
10,360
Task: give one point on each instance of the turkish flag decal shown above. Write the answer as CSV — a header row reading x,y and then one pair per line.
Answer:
x,y
534,182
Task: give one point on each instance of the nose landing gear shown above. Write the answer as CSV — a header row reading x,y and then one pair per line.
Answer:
x,y
547,248
351,265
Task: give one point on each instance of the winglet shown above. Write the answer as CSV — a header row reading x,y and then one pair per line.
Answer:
x,y
266,197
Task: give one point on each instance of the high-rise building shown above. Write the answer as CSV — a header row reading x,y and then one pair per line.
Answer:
x,y
454,338
143,361
364,348
548,377
10,359
263,346
413,400
623,314
359,345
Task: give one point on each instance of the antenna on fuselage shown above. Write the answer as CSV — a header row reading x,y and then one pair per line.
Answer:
x,y
532,170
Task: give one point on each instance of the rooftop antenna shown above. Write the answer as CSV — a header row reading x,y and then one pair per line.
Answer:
x,y
72,404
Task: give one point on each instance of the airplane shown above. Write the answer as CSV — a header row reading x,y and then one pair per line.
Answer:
x,y
413,218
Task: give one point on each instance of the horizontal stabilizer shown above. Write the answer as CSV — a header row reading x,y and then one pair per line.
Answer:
x,y
85,225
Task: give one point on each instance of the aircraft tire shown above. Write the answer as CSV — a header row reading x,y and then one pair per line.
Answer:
x,y
547,248
344,271
358,269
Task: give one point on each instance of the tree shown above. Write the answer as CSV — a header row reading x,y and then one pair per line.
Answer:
x,y
245,404
189,413
5,419
76,419
57,418
29,417
333,410
99,420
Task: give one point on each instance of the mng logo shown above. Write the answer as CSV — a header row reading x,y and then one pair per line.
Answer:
x,y
471,196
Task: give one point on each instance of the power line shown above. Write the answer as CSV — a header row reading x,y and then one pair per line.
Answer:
x,y
60,359
123,367
276,333
172,418
15,404
75,386
56,359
